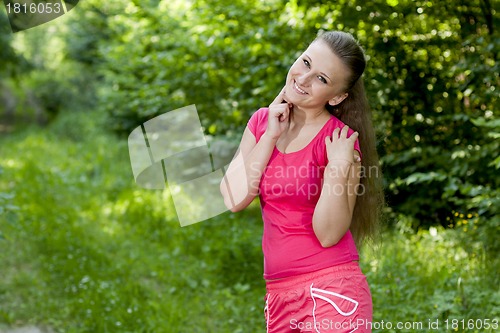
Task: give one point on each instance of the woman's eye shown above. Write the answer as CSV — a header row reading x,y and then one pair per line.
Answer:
x,y
322,79
306,63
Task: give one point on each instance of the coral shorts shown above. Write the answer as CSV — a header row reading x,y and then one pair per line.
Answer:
x,y
335,299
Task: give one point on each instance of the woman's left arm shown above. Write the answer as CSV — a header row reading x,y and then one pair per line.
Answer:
x,y
333,213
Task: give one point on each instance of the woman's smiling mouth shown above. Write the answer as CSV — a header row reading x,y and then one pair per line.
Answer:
x,y
297,89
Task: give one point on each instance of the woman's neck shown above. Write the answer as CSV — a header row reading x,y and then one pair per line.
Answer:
x,y
300,116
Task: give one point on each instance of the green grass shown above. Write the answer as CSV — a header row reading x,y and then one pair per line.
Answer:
x,y
430,276
83,249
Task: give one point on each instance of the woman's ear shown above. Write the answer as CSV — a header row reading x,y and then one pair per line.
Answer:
x,y
337,99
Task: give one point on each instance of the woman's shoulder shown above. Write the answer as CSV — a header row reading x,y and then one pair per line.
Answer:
x,y
258,122
329,126
261,113
334,123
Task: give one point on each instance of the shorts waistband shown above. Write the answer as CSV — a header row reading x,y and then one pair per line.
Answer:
x,y
292,282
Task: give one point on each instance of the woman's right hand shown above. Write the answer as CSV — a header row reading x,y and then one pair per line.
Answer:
x,y
278,116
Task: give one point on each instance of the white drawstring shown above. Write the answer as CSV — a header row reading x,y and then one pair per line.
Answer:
x,y
314,308
266,310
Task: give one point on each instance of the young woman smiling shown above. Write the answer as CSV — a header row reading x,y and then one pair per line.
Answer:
x,y
313,221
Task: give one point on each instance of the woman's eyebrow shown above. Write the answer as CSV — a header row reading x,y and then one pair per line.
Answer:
x,y
310,61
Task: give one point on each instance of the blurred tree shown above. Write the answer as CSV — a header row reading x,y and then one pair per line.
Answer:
x,y
12,65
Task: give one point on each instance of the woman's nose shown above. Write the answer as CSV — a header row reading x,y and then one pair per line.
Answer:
x,y
304,78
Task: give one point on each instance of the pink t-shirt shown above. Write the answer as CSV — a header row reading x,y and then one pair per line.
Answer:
x,y
289,190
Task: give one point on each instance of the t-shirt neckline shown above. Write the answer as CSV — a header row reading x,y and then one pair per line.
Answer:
x,y
310,142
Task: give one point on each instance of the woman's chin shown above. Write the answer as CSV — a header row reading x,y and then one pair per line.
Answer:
x,y
298,101
294,99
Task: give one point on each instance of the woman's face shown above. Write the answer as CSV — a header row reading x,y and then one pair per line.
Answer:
x,y
316,78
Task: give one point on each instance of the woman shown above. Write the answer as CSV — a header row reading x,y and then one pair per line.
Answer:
x,y
318,191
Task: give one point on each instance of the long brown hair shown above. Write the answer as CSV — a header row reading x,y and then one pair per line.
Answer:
x,y
355,111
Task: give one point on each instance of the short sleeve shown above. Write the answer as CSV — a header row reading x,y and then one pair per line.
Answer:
x,y
257,123
336,123
350,131
358,148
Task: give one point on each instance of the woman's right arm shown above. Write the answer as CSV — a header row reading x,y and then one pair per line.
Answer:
x,y
240,184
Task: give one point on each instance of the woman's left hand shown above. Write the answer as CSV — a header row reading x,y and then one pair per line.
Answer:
x,y
341,147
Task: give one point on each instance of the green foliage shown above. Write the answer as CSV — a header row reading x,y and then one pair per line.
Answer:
x,y
437,75
13,64
429,276
478,215
179,53
44,81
